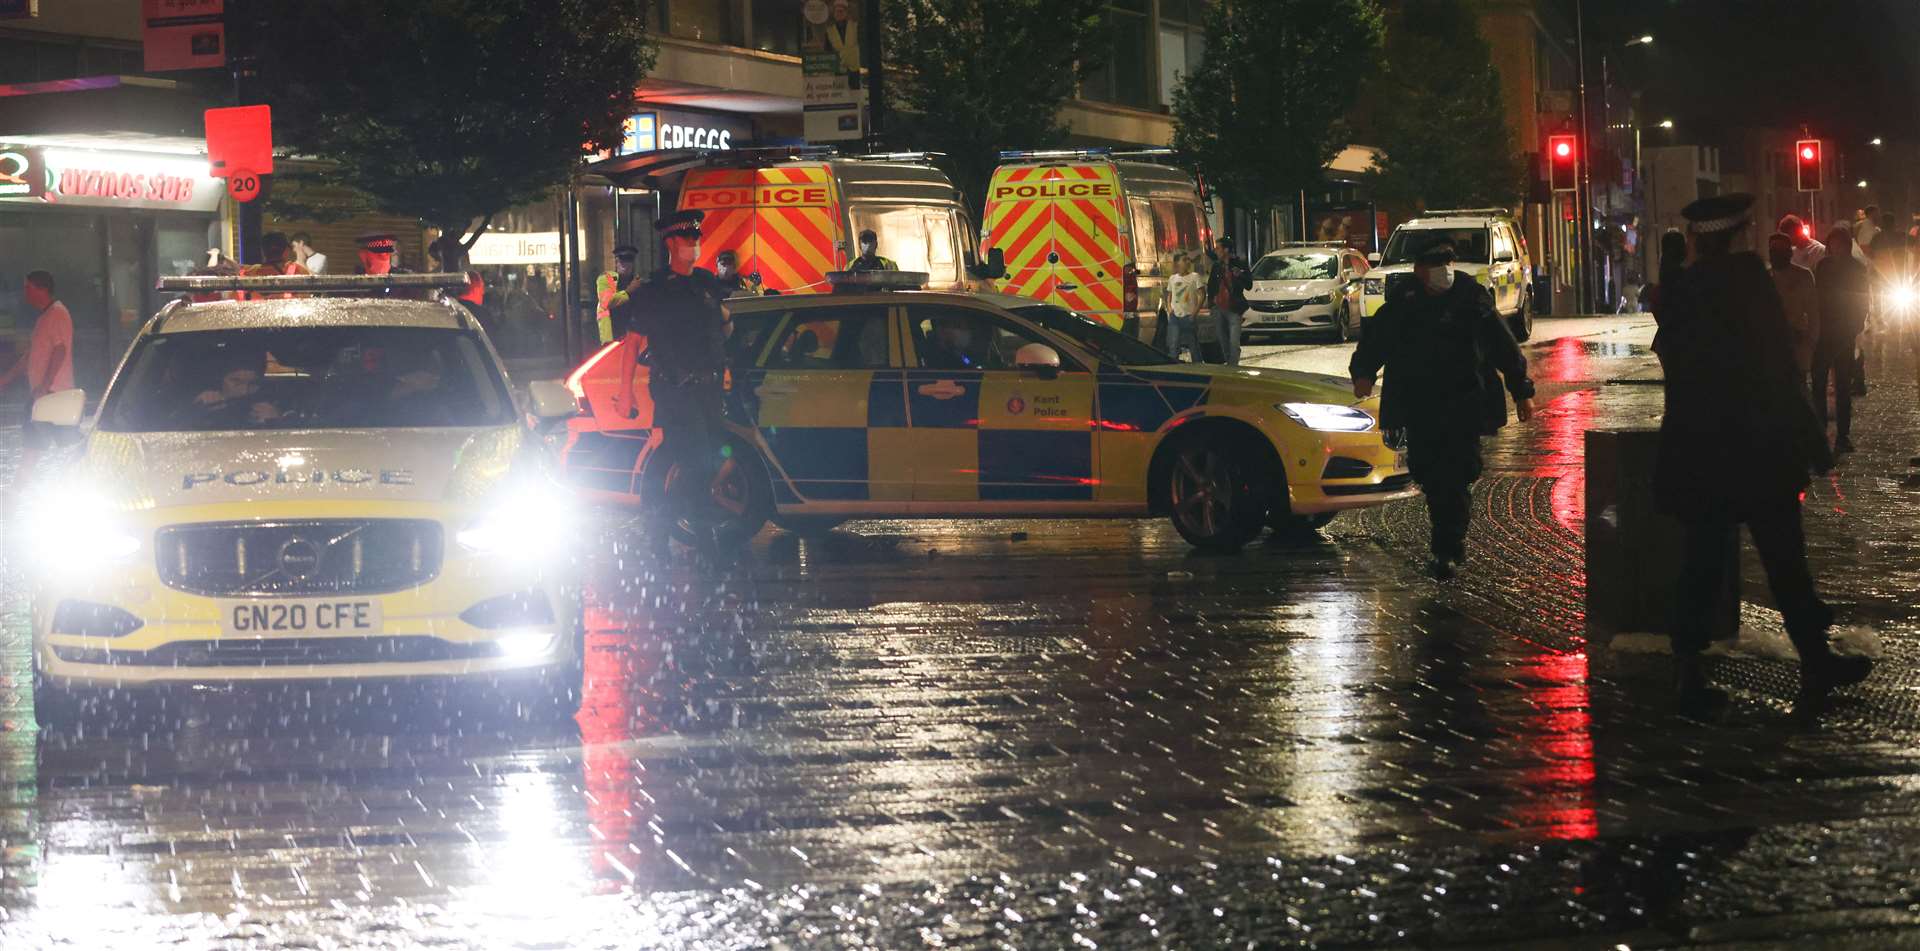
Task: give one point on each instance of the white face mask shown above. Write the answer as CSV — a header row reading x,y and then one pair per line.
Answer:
x,y
1439,279
868,247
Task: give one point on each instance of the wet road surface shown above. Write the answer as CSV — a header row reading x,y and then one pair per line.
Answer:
x,y
1040,734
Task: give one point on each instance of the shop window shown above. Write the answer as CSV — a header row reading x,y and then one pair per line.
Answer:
x,y
708,21
1183,42
776,26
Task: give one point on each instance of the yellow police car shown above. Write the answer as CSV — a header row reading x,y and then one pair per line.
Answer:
x,y
283,489
1488,245
908,404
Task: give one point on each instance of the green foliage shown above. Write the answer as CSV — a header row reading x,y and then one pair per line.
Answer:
x,y
1441,124
972,77
1264,112
448,110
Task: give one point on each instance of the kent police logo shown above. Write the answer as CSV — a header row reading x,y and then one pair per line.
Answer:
x,y
1016,405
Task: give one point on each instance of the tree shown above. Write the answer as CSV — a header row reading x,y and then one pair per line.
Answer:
x,y
448,110
1443,144
1264,112
972,77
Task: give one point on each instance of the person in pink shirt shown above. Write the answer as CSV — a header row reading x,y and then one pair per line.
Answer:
x,y
49,360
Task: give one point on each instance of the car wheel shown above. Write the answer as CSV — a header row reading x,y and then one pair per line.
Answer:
x,y
1340,326
808,526
1211,494
741,497
53,705
1521,323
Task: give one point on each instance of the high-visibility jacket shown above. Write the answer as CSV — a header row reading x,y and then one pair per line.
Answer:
x,y
269,270
607,288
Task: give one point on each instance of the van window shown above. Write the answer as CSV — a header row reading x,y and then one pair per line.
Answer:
x,y
1179,223
940,245
1146,242
903,231
969,239
1470,245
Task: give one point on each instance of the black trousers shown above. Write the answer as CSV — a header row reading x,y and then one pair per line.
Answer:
x,y
693,428
1446,461
1713,550
1836,361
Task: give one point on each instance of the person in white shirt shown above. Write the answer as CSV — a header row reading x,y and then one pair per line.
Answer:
x,y
48,363
304,254
1184,290
1807,253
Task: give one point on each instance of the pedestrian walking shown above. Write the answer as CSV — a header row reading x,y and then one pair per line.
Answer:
x,y
870,259
1441,343
1844,286
1800,300
677,310
1736,445
1184,290
48,362
1227,286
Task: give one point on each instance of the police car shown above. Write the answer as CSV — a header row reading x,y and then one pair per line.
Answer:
x,y
1487,244
307,487
892,404
1306,287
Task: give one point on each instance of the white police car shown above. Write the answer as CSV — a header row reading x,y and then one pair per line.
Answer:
x,y
300,488
1488,245
1309,287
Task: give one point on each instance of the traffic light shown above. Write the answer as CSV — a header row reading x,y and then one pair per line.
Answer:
x,y
1563,162
1806,160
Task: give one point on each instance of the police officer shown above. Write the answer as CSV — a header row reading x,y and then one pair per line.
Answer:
x,y
610,289
1736,444
677,309
1441,342
870,259
377,251
726,270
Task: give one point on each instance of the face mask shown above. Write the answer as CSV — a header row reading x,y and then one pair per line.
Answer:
x,y
868,247
1439,279
724,270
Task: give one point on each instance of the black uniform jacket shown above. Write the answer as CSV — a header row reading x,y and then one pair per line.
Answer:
x,y
1441,353
1739,435
682,321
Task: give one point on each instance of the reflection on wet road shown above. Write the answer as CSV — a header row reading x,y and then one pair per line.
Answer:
x,y
1042,734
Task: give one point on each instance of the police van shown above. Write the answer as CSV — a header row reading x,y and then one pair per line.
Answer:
x,y
794,215
302,488
904,403
1095,231
1488,245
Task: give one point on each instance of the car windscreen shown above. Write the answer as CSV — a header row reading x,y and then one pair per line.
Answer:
x,y
1105,342
1469,244
1297,266
307,378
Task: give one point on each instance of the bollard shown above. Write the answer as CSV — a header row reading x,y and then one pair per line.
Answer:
x,y
1634,551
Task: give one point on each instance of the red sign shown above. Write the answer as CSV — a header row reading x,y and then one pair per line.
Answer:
x,y
243,184
184,34
240,137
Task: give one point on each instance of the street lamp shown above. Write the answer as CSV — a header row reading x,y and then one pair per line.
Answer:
x,y
1875,142
1861,183
1666,123
1645,39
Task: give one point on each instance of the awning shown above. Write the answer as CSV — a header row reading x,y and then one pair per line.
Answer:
x,y
664,167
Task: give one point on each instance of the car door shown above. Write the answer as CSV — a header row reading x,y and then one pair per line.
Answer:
x,y
983,430
1500,275
828,402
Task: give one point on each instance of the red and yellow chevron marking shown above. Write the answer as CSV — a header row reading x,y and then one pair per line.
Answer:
x,y
780,220
1072,211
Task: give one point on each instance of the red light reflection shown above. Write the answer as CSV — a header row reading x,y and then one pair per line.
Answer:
x,y
1559,794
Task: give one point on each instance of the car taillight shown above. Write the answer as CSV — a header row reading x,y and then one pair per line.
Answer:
x,y
1130,289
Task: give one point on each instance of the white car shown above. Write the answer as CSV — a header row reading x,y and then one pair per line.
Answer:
x,y
302,488
1306,288
1488,246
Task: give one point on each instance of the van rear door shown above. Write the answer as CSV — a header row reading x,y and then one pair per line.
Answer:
x,y
1059,227
782,220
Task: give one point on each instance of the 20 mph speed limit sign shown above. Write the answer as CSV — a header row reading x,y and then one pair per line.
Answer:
x,y
243,185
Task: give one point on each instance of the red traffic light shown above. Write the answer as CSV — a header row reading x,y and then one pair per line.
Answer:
x,y
1807,169
1563,162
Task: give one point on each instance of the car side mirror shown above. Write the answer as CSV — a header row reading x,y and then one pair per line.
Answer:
x,y
550,399
64,409
1038,359
994,269
1373,257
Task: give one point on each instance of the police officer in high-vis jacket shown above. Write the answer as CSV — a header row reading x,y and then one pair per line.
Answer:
x,y
677,309
1441,342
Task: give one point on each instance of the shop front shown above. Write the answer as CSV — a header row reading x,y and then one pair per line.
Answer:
x,y
107,216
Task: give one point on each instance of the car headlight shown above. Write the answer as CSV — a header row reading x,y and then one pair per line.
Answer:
x,y
1322,299
1327,417
1901,297
536,521
74,526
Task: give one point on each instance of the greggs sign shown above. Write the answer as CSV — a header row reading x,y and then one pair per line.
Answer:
x,y
761,196
1053,190
87,178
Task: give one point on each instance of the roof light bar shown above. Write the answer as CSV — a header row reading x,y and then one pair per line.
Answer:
x,y
857,281
1443,212
310,283
1021,155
